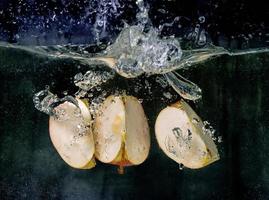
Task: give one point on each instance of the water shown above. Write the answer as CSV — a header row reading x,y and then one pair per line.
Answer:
x,y
31,167
134,52
138,49
232,95
91,80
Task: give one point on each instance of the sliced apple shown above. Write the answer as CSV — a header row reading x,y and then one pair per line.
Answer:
x,y
71,134
121,132
179,132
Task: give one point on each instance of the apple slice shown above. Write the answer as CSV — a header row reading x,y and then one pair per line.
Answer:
x,y
121,132
71,134
179,132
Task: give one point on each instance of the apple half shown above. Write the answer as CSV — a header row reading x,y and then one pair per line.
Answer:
x,y
71,134
121,132
179,132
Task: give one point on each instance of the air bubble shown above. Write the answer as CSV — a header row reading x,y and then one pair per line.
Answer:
x,y
181,166
202,19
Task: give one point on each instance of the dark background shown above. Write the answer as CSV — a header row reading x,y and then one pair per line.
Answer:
x,y
235,101
235,24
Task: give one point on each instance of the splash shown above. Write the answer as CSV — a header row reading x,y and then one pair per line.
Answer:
x,y
211,132
46,102
138,52
138,49
91,79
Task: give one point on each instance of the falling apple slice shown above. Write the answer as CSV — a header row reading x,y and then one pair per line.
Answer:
x,y
179,132
121,132
71,134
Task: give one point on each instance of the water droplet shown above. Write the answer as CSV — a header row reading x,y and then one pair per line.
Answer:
x,y
181,166
202,19
90,80
219,139
168,95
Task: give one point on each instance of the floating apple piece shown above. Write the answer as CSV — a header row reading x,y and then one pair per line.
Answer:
x,y
71,134
121,132
180,134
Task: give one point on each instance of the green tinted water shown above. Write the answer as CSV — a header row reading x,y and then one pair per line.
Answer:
x,y
235,101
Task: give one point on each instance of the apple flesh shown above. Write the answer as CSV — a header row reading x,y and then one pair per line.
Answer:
x,y
121,132
71,134
180,134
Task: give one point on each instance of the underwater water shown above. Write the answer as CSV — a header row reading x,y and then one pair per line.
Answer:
x,y
235,101
234,97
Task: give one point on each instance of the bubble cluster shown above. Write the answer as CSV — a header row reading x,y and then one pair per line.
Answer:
x,y
46,102
141,52
90,80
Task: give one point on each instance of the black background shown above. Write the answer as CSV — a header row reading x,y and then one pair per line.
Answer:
x,y
31,21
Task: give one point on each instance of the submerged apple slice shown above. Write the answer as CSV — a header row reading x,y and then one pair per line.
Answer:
x,y
71,134
121,132
179,132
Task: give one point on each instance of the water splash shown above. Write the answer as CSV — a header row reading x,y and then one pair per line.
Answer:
x,y
46,102
105,10
184,87
210,131
43,101
91,79
162,81
142,16
138,52
95,104
138,49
